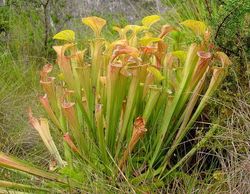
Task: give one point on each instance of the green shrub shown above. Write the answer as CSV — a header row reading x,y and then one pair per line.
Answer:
x,y
228,19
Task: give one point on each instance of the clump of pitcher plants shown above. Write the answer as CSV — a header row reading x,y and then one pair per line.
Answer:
x,y
122,107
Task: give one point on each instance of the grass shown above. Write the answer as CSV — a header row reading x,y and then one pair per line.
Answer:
x,y
19,89
231,148
234,156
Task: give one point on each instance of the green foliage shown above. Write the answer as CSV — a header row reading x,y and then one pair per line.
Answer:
x,y
18,84
4,15
228,19
24,36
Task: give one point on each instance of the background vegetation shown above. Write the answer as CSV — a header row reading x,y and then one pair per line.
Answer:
x,y
27,28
